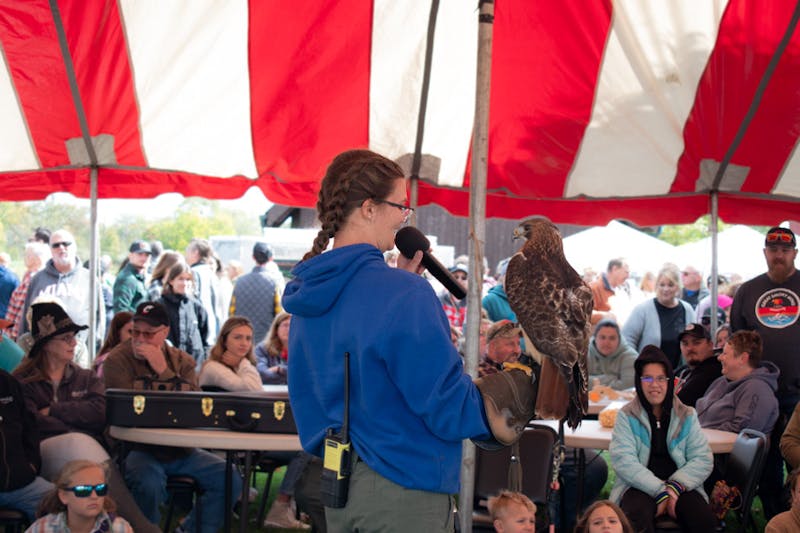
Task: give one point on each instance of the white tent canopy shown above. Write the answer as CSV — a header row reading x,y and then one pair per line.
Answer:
x,y
594,247
738,251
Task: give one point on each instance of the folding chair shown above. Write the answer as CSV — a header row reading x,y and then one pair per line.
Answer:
x,y
536,448
743,470
13,520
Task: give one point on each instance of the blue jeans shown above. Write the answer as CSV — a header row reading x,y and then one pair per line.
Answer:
x,y
147,479
27,498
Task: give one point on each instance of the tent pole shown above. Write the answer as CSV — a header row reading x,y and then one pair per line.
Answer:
x,y
416,162
477,237
714,266
91,154
94,263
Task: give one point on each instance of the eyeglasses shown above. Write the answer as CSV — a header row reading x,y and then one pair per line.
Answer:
x,y
84,491
146,335
657,379
779,236
405,209
461,277
65,244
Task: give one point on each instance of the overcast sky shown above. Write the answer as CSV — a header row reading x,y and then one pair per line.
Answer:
x,y
252,202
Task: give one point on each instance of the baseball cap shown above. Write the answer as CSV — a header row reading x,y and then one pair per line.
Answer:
x,y
779,236
140,247
503,328
460,267
695,330
262,252
153,313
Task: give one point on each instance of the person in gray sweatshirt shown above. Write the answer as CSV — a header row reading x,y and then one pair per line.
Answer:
x,y
744,396
610,358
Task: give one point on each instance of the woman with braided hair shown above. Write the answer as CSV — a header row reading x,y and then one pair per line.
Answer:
x,y
410,402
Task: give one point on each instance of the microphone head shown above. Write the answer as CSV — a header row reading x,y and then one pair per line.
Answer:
x,y
409,239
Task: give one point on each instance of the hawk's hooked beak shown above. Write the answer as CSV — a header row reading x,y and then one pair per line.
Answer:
x,y
517,234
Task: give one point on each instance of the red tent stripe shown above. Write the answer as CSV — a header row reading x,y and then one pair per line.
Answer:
x,y
30,43
542,91
737,63
309,86
96,41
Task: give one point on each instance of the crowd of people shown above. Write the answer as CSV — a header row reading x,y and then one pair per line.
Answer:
x,y
182,322
742,375
171,325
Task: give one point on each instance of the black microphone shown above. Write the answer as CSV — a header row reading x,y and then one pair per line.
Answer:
x,y
408,240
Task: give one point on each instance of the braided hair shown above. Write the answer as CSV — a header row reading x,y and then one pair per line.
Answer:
x,y
352,177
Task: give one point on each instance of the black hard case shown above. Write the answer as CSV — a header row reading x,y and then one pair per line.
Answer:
x,y
261,412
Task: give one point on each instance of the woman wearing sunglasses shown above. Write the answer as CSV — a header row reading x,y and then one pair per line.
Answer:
x,y
660,453
79,503
69,402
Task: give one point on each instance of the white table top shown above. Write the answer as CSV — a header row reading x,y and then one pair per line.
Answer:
x,y
590,434
218,439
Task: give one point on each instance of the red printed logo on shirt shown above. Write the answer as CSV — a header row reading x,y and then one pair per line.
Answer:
x,y
778,308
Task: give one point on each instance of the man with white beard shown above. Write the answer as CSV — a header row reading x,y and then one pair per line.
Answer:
x,y
64,277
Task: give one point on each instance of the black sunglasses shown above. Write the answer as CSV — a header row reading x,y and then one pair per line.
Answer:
x,y
84,491
65,244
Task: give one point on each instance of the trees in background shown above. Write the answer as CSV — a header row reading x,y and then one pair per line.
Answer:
x,y
195,217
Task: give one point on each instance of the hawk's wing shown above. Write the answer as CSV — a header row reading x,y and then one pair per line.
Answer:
x,y
553,307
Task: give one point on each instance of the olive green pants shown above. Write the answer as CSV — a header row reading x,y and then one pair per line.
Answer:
x,y
376,504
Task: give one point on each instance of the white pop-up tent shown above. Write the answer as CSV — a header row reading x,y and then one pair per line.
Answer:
x,y
594,247
739,251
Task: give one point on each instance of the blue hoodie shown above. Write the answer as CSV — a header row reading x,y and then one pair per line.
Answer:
x,y
410,402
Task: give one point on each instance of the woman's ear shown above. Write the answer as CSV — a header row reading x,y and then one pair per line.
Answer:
x,y
368,208
62,496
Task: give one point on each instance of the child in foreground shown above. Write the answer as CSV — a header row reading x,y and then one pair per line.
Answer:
x,y
603,516
79,503
512,512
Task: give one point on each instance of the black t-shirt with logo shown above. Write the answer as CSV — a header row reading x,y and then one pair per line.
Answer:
x,y
772,310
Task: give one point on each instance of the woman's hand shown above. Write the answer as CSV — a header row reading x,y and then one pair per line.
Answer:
x,y
671,502
662,507
412,265
277,369
230,360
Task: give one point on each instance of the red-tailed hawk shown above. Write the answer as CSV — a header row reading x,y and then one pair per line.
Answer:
x,y
553,306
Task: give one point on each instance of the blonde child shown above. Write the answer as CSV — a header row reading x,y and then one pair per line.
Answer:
x,y
79,503
512,512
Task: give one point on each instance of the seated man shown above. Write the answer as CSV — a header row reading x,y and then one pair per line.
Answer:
x,y
701,367
146,361
502,346
21,488
744,396
610,358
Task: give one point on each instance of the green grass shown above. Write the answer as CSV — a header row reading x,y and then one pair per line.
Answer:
x,y
731,520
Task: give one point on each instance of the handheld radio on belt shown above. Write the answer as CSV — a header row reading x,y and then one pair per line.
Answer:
x,y
337,457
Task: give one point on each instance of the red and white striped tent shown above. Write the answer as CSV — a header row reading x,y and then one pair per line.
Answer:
x,y
598,110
